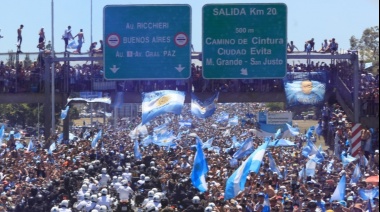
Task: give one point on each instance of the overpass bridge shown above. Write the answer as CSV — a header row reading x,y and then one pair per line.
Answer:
x,y
273,94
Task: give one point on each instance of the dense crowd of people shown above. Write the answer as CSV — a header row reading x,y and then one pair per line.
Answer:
x,y
30,78
78,176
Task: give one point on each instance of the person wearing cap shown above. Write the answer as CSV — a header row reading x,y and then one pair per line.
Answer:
x,y
125,191
260,203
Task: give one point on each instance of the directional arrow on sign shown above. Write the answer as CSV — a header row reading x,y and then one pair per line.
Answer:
x,y
114,69
179,68
244,71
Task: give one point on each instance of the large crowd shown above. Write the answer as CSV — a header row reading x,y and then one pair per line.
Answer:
x,y
77,176
30,78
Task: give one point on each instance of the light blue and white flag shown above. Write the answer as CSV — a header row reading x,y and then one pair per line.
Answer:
x,y
236,182
31,146
216,149
356,175
340,190
160,129
330,166
147,140
185,123
245,149
95,140
139,131
159,102
302,174
266,205
278,134
273,167
72,44
19,145
293,130
136,151
310,167
368,194
310,132
2,132
310,149
52,147
208,143
165,139
346,159
223,116
199,170
64,112
203,109
234,121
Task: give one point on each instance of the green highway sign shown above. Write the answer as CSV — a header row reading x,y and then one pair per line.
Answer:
x,y
147,42
244,41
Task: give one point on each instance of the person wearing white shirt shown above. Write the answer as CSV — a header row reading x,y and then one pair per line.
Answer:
x,y
125,192
104,199
67,36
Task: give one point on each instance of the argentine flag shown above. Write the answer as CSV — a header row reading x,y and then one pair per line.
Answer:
x,y
136,151
236,182
310,132
203,109
64,112
272,165
31,146
223,116
159,102
340,190
2,132
52,148
200,169
94,142
356,175
208,143
234,121
293,130
245,149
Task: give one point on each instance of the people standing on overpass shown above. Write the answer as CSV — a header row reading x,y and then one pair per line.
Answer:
x,y
19,38
80,36
41,35
67,36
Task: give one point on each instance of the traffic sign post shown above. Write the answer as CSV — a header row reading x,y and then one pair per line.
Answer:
x,y
147,42
244,41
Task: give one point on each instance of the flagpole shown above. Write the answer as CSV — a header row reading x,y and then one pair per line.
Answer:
x,y
91,22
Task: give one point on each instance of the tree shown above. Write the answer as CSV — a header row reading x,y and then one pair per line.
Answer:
x,y
27,61
11,58
368,45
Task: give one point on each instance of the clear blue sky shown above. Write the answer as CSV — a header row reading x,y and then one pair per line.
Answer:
x,y
318,19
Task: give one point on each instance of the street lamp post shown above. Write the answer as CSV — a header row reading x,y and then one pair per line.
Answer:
x,y
52,71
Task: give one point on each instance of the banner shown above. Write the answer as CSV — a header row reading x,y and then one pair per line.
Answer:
x,y
305,88
280,117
